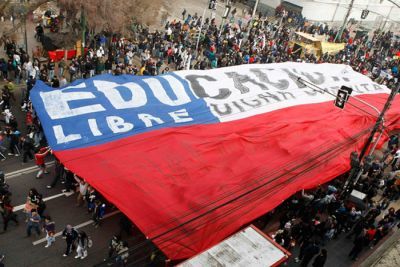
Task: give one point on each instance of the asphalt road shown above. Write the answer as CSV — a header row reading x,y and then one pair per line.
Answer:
x,y
20,250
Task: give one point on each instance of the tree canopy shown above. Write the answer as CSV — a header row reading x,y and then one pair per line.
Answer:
x,y
115,14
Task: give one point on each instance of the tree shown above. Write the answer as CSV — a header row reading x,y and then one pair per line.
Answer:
x,y
8,8
114,14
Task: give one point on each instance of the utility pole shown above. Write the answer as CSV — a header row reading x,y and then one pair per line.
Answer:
x,y
379,120
340,32
25,34
334,13
252,16
83,27
387,18
200,31
355,172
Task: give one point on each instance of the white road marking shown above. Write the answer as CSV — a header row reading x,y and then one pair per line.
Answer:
x,y
21,207
27,170
37,242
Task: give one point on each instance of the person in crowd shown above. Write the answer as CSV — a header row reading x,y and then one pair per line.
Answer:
x,y
63,81
61,67
69,181
82,189
123,253
7,211
40,162
27,148
309,252
91,197
32,201
58,173
320,260
13,136
49,227
359,243
33,223
83,243
70,235
113,246
98,212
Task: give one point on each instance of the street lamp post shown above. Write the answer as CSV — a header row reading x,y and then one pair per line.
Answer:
x,y
380,120
247,33
25,35
340,32
23,11
201,29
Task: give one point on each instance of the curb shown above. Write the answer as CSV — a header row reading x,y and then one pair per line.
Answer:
x,y
382,249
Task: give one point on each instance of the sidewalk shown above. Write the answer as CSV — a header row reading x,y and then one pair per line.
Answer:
x,y
387,255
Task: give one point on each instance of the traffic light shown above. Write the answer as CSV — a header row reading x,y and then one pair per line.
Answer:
x,y
348,90
364,14
343,96
212,4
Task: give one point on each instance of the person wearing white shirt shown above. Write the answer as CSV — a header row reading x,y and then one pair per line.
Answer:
x,y
395,159
63,81
83,186
28,68
100,52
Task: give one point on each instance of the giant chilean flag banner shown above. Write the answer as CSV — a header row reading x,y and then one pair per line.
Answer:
x,y
192,156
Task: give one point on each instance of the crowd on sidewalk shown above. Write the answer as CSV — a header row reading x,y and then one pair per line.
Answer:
x,y
312,218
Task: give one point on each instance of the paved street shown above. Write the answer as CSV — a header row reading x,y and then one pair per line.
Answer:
x,y
63,211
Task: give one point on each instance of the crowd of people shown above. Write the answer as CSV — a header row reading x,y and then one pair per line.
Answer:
x,y
38,219
200,43
310,219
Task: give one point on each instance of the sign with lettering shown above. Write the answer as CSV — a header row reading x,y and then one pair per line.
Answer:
x,y
106,108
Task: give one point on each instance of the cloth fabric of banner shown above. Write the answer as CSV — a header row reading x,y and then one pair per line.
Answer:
x,y
192,156
58,55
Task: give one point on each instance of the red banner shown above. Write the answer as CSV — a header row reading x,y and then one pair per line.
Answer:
x,y
58,55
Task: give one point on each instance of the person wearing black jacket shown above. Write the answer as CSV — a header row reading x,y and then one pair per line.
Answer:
x,y
358,246
309,252
29,85
320,260
27,148
58,173
7,212
39,32
70,235
108,66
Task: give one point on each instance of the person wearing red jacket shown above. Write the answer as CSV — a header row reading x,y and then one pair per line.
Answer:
x,y
39,158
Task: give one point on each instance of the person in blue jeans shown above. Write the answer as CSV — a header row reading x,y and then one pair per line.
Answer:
x,y
33,222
